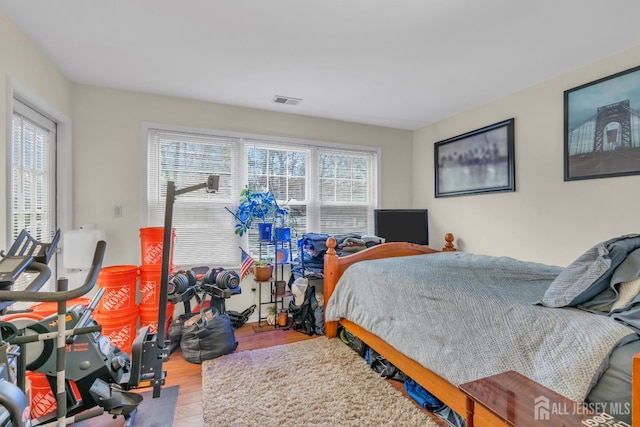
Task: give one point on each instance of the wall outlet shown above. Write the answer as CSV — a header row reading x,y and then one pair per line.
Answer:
x,y
117,211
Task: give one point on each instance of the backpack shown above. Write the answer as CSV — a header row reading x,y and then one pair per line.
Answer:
x,y
303,317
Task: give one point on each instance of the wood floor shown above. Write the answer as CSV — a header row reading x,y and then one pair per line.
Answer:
x,y
188,375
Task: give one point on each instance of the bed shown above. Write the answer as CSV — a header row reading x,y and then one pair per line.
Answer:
x,y
530,301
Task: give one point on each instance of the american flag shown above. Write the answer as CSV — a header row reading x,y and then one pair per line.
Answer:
x,y
247,262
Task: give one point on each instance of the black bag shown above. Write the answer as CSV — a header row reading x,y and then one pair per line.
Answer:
x,y
355,343
303,317
239,319
382,366
207,335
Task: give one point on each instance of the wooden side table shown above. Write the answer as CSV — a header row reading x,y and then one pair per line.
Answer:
x,y
512,399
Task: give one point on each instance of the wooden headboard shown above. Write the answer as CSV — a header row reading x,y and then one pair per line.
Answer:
x,y
334,266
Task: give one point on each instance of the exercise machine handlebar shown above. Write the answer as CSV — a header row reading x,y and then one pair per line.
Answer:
x,y
31,293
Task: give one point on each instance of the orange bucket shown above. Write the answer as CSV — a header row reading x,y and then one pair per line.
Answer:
x,y
121,330
149,317
23,319
41,397
46,309
119,282
150,279
151,242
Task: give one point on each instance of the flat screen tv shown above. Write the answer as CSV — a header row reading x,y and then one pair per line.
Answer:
x,y
402,225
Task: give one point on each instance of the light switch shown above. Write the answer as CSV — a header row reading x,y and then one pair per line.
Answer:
x,y
117,211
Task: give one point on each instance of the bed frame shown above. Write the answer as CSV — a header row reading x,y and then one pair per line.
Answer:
x,y
334,266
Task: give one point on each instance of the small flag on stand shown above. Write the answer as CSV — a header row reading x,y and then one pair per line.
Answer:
x,y
247,262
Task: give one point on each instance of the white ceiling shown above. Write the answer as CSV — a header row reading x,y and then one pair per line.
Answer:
x,y
402,63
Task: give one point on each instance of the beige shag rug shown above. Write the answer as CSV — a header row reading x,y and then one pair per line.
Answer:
x,y
318,382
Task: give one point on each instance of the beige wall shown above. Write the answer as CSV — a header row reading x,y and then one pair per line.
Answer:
x,y
546,219
108,160
22,65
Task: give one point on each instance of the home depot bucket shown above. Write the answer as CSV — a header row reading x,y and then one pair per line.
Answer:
x,y
41,397
149,317
119,282
151,243
121,330
150,279
46,309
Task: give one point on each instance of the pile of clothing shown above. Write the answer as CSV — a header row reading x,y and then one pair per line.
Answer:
x,y
313,246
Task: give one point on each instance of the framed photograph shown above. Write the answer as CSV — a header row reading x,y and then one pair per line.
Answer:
x,y
602,127
481,161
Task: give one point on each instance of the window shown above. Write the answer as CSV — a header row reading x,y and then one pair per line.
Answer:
x,y
347,189
33,179
327,189
204,228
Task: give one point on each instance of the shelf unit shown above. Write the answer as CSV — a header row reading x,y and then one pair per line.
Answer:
x,y
281,251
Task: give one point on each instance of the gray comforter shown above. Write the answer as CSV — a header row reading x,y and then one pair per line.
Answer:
x,y
467,316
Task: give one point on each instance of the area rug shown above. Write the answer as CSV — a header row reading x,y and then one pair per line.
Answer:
x,y
317,382
151,412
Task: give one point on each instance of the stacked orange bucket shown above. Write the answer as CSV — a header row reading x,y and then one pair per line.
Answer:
x,y
151,245
117,310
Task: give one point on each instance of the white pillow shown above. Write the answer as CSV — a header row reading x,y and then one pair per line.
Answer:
x,y
626,293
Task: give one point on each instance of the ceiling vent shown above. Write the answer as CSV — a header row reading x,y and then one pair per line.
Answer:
x,y
286,100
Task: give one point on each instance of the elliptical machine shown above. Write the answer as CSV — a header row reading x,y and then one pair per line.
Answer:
x,y
104,374
87,374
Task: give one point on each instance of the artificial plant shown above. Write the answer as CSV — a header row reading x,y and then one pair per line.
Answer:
x,y
256,206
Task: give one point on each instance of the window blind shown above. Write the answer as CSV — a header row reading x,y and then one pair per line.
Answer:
x,y
326,189
204,228
32,182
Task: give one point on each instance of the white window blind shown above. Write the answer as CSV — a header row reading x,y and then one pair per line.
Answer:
x,y
204,229
347,192
281,169
327,189
32,181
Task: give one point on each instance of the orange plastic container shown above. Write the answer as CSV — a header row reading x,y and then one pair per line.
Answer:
x,y
120,284
41,398
121,330
22,319
150,278
149,317
151,245
46,309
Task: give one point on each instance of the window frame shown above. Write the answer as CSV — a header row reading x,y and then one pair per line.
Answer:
x,y
23,102
247,140
63,162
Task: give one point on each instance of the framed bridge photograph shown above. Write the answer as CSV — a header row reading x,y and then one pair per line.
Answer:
x,y
602,127
480,161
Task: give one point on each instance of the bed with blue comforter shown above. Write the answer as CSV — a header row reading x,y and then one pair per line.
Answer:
x,y
467,316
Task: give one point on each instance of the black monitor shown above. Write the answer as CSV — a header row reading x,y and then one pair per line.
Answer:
x,y
402,225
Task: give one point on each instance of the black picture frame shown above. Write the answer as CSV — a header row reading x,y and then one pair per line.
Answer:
x,y
602,127
477,162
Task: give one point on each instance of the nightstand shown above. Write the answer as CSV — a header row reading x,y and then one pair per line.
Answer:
x,y
512,399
